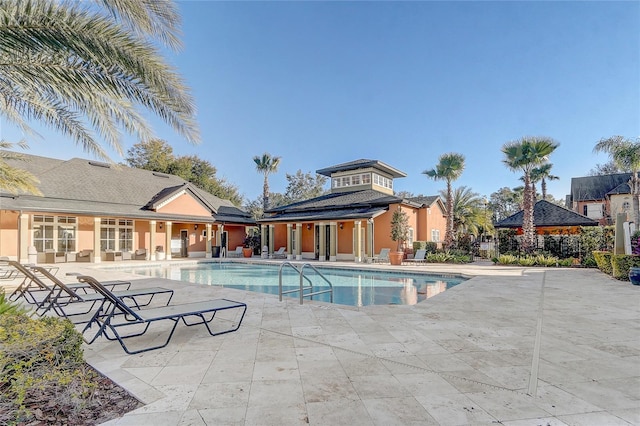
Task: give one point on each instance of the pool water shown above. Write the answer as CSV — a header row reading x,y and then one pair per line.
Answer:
x,y
353,287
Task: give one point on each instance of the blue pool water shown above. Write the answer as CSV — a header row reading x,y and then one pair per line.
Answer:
x,y
350,286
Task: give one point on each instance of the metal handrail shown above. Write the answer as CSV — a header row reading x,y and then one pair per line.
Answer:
x,y
302,287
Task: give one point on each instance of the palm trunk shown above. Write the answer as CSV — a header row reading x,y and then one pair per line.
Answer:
x,y
544,189
528,229
448,235
265,192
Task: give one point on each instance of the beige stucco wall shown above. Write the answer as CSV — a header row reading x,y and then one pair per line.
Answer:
x,y
617,205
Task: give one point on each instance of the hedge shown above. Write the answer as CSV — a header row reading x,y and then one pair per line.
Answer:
x,y
622,263
603,260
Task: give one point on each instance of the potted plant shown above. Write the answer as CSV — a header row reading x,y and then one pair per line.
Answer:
x,y
399,233
251,243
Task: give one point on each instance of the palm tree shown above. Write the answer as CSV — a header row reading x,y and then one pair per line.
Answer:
x,y
266,164
524,155
90,69
625,154
449,168
542,174
13,179
468,211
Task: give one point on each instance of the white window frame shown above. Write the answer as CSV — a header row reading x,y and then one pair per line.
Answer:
x,y
435,235
59,233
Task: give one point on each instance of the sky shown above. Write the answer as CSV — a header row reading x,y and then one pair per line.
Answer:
x,y
323,83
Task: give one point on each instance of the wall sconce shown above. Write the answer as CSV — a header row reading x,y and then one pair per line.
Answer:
x,y
308,227
195,226
341,225
160,225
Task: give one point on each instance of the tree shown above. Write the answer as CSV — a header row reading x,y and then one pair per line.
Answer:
x,y
468,211
449,168
89,69
399,227
505,202
524,155
542,174
157,155
13,179
608,168
266,164
625,154
304,186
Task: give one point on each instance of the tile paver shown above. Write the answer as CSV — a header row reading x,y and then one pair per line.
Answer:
x,y
466,356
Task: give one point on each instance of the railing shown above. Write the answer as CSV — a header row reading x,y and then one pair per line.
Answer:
x,y
303,278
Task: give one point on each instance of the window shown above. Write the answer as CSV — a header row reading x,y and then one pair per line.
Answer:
x,y
435,235
366,178
107,234
585,210
355,180
626,206
336,182
54,233
125,230
410,237
346,180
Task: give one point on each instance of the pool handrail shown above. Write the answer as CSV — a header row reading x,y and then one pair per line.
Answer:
x,y
302,287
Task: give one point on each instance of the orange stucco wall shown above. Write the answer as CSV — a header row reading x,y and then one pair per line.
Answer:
x,y
185,204
9,233
308,238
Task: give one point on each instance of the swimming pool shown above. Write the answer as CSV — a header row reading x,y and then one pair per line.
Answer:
x,y
354,287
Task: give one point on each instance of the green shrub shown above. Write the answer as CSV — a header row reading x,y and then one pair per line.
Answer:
x,y
542,260
41,358
439,257
526,261
621,263
565,263
9,307
603,260
507,259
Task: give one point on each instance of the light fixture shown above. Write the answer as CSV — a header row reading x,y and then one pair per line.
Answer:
x,y
160,225
341,225
308,226
195,226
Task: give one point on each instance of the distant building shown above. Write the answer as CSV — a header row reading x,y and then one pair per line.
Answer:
x,y
602,197
549,219
353,221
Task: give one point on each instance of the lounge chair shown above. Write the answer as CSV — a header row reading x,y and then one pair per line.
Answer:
x,y
280,253
34,290
382,257
114,314
62,296
419,257
52,256
237,253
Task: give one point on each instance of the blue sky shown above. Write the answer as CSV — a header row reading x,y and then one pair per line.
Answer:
x,y
322,83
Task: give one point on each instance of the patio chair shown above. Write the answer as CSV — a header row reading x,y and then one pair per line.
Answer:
x,y
34,290
85,256
236,253
140,254
382,257
419,257
114,315
63,296
280,253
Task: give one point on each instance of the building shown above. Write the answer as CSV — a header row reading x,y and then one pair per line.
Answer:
x,y
602,197
549,219
353,221
112,212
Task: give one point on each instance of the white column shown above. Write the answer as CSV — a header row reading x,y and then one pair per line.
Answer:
x,y
97,255
152,239
358,241
289,242
299,241
322,242
208,242
333,241
271,235
167,240
23,238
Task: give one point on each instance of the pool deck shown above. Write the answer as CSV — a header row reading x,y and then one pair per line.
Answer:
x,y
511,346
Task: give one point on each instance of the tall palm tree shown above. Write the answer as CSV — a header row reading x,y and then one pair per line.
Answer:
x,y
625,154
13,179
542,174
266,164
449,168
524,155
90,69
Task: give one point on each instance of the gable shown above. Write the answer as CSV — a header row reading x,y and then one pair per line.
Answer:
x,y
183,203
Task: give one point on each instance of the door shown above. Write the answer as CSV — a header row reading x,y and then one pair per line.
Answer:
x,y
184,243
316,237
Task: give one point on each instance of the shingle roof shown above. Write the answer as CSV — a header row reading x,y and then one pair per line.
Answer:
x,y
596,187
425,200
548,214
366,204
362,164
93,187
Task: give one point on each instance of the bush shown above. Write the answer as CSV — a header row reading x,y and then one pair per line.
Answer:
x,y
603,260
621,263
41,363
507,259
429,246
526,261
